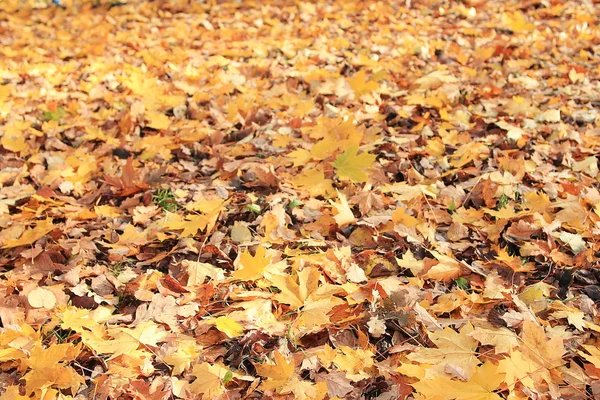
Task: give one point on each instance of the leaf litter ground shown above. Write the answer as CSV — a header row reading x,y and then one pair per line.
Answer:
x,y
294,200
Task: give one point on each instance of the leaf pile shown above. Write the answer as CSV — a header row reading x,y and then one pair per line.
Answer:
x,y
303,200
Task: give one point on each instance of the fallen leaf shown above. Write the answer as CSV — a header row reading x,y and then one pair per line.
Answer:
x,y
353,166
41,298
252,267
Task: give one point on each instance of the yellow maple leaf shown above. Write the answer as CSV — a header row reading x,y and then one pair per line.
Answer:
x,y
14,142
435,79
480,386
454,348
277,374
125,340
140,84
48,368
190,224
76,319
352,166
209,380
401,217
469,152
325,148
504,340
593,356
147,333
158,120
293,293
344,214
107,211
198,272
314,315
303,107
31,235
574,316
518,23
299,157
409,261
536,201
211,210
12,393
313,180
15,344
156,144
252,267
447,268
361,85
326,355
518,368
353,361
184,353
228,326
304,390
544,351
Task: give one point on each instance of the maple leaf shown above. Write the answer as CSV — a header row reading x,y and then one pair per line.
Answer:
x,y
352,166
162,309
295,294
480,386
190,225
12,393
337,384
210,208
503,340
360,85
447,268
544,351
401,217
277,374
314,314
186,351
453,348
76,319
575,241
574,316
252,267
354,361
409,261
126,340
469,152
158,121
518,23
344,214
436,78
129,240
368,200
209,380
536,202
593,356
48,368
452,171
198,272
14,141
518,368
313,180
152,145
259,314
228,326
302,390
15,344
31,235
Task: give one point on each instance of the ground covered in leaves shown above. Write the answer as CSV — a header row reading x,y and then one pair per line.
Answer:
x,y
359,200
